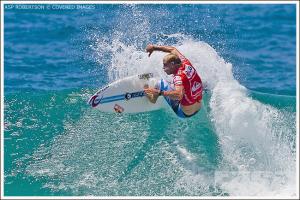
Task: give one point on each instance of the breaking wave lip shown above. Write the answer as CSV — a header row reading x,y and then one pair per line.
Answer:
x,y
255,139
258,151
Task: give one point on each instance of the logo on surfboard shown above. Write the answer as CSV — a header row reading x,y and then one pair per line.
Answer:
x,y
127,96
134,95
146,76
94,101
118,108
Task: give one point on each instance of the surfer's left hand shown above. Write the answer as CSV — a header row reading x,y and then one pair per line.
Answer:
x,y
150,49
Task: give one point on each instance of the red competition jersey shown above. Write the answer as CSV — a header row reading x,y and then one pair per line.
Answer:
x,y
191,81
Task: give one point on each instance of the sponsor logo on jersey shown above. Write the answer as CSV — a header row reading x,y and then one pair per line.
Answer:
x,y
196,86
177,80
189,71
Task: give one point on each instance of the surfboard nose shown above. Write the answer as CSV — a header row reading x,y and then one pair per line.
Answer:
x,y
94,101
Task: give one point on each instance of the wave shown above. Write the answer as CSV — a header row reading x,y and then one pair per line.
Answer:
x,y
256,131
242,143
237,141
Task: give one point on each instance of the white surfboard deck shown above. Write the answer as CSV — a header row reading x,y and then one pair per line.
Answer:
x,y
127,95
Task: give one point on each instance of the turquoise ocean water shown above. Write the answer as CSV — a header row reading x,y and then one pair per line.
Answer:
x,y
242,143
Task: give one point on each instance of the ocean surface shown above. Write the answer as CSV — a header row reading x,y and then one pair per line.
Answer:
x,y
241,143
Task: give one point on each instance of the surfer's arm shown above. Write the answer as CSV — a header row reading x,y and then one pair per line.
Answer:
x,y
176,94
153,93
167,49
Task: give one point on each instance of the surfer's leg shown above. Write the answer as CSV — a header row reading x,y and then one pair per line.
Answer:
x,y
165,86
180,113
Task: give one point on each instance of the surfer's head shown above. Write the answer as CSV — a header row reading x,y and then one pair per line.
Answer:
x,y
171,63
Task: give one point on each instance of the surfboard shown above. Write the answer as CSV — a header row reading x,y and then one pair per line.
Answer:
x,y
127,95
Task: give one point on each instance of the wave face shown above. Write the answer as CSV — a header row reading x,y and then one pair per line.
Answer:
x,y
242,142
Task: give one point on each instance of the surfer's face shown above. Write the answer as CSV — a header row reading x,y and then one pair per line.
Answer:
x,y
169,67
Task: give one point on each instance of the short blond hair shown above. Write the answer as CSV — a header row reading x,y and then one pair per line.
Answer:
x,y
172,58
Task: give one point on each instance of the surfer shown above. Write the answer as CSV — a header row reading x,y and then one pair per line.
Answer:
x,y
184,94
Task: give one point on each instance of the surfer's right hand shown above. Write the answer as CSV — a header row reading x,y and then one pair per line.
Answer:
x,y
150,49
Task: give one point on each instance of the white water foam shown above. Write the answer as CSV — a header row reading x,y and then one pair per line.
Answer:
x,y
254,137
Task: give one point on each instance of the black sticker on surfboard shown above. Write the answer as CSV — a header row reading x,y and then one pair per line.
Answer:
x,y
146,76
127,96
